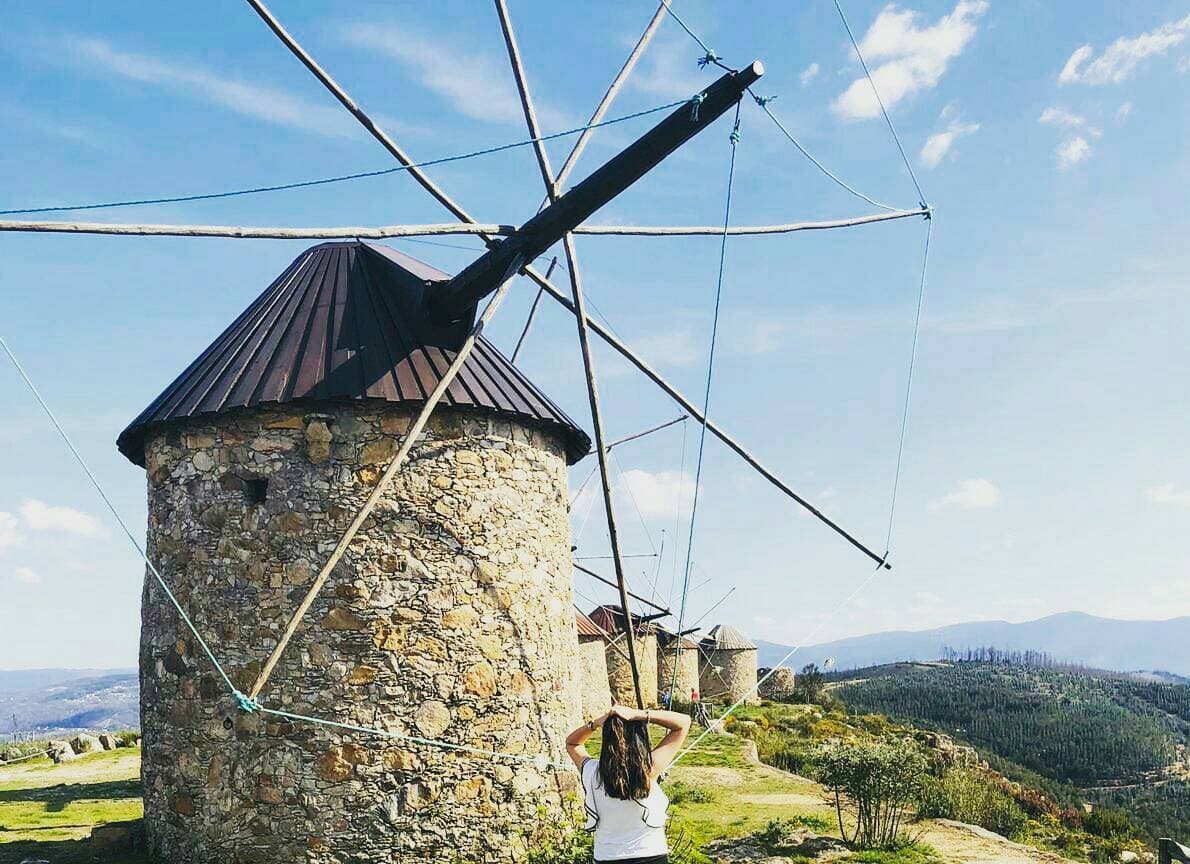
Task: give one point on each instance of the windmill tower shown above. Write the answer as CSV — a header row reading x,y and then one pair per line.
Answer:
x,y
449,618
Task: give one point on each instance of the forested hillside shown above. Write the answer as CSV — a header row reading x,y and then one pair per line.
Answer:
x,y
1116,738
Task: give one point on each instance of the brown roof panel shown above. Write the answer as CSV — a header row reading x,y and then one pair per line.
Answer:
x,y
346,322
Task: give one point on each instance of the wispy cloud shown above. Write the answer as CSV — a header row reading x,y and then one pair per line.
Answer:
x,y
39,516
1120,60
475,83
668,70
1072,151
977,494
909,57
941,144
10,531
673,347
1056,115
808,74
258,101
27,575
1123,112
1168,493
657,495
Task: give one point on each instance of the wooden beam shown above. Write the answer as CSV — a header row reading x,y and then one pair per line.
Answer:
x,y
456,298
695,413
439,230
520,342
660,609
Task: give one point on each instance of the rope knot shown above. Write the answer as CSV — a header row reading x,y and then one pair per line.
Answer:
x,y
696,100
763,100
735,135
927,210
245,702
708,58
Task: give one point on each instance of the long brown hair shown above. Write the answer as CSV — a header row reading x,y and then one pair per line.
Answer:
x,y
626,759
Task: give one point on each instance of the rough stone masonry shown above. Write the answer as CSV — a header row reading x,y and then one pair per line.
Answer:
x,y
449,618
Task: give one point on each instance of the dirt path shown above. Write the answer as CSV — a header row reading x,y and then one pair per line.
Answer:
x,y
960,843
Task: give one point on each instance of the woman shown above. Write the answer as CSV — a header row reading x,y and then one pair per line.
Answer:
x,y
624,802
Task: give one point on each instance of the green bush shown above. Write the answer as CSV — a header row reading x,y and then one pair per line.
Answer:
x,y
684,793
1108,823
881,781
966,795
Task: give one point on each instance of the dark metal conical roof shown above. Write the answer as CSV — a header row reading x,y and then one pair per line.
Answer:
x,y
347,322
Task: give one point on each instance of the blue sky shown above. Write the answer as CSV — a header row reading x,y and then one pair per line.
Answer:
x,y
1045,465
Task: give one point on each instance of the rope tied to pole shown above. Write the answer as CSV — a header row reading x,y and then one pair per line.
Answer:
x,y
246,703
763,100
696,100
708,59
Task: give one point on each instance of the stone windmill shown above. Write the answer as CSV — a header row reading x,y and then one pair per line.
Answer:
x,y
444,613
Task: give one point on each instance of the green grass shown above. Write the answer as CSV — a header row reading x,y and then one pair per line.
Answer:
x,y
47,811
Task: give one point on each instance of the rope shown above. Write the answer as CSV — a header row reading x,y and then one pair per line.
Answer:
x,y
763,101
706,402
300,184
897,138
112,509
707,52
540,760
921,294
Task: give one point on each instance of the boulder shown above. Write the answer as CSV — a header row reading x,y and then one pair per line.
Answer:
x,y
84,743
108,742
59,751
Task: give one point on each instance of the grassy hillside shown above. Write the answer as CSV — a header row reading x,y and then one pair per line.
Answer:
x,y
1095,736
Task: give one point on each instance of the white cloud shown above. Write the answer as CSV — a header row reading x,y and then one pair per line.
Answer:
x,y
29,577
661,348
1123,112
1120,60
668,71
476,84
39,516
1064,118
977,494
912,57
1168,493
660,495
808,74
941,144
259,101
1072,151
10,532
928,598
1056,115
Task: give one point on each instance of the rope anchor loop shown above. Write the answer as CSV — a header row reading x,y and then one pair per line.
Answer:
x,y
696,100
735,134
245,702
708,58
763,100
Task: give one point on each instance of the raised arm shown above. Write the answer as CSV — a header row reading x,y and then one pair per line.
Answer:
x,y
576,741
667,748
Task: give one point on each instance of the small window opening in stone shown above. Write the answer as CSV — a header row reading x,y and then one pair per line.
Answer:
x,y
256,489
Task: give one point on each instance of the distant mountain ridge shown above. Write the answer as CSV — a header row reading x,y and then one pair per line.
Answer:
x,y
1075,637
62,700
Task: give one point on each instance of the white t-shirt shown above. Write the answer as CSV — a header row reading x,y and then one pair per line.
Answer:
x,y
624,829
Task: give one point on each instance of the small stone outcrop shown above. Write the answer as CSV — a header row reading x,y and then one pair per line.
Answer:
x,y
778,847
84,743
108,742
780,685
60,751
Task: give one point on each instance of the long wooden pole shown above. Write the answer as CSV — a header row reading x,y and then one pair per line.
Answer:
x,y
453,228
547,176
420,176
393,467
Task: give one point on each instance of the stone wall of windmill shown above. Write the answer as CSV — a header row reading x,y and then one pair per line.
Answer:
x,y
450,618
686,660
728,666
595,688
619,670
